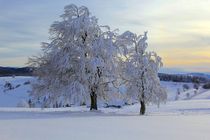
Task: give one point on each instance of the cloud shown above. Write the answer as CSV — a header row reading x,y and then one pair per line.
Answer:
x,y
16,61
178,30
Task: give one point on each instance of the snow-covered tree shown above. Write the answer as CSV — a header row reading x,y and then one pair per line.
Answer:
x,y
78,64
139,70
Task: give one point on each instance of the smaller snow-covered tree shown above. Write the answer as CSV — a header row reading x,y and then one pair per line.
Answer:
x,y
139,70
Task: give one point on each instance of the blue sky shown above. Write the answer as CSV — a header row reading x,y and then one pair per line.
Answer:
x,y
179,31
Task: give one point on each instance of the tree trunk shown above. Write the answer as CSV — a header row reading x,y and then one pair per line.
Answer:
x,y
142,108
93,98
142,100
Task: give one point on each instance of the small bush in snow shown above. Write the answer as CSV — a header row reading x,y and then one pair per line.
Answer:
x,y
23,103
195,92
178,91
206,86
31,104
177,96
188,95
17,86
196,86
8,86
27,83
185,87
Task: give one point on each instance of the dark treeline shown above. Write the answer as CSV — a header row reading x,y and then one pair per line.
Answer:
x,y
183,78
27,71
10,71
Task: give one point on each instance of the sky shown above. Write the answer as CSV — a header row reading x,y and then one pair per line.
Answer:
x,y
178,30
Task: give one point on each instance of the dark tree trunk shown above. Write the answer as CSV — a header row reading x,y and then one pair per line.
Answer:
x,y
93,95
142,100
93,98
142,108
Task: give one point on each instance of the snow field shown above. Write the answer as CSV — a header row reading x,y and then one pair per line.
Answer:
x,y
95,127
176,120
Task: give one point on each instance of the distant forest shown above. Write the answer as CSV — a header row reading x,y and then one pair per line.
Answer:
x,y
188,78
11,71
28,71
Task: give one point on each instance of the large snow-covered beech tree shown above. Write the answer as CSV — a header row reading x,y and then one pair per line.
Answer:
x,y
78,65
139,70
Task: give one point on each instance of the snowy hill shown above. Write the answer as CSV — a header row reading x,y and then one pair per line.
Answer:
x,y
18,93
204,95
172,89
21,85
183,119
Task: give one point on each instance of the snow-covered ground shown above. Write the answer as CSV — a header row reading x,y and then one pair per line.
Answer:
x,y
11,98
183,119
179,120
107,128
